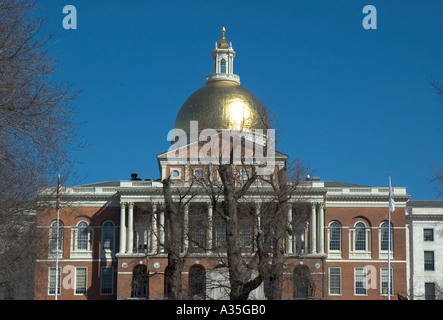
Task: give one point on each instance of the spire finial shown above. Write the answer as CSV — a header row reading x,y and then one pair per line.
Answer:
x,y
223,44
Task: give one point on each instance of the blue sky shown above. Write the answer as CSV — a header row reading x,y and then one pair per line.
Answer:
x,y
351,103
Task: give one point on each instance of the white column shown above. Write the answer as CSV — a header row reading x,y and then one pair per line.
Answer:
x,y
289,238
130,247
161,231
303,237
257,217
186,228
321,229
257,225
154,228
122,227
210,227
186,174
313,240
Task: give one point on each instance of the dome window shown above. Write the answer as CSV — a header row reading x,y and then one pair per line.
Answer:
x,y
223,66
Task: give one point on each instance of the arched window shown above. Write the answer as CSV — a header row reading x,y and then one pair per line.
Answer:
x,y
304,286
360,236
82,236
384,236
140,282
223,66
197,282
108,236
53,242
334,236
169,282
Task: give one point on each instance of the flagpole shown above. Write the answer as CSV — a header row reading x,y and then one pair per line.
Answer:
x,y
57,237
391,206
389,248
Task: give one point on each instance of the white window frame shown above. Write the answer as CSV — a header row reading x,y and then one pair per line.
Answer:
x,y
81,253
424,234
223,66
431,253
383,254
383,277
143,235
84,281
179,173
361,272
51,279
52,252
108,250
340,282
360,254
334,253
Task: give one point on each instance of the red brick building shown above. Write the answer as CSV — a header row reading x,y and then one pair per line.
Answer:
x,y
111,234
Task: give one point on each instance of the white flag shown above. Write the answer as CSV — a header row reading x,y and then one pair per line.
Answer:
x,y
391,197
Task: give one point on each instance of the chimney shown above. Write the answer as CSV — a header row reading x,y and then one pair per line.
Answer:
x,y
134,176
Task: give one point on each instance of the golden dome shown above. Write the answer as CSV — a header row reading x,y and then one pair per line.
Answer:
x,y
222,105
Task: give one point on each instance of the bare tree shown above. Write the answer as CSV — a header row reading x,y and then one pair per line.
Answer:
x,y
173,245
35,130
227,195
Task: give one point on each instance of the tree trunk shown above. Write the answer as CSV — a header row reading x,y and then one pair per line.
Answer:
x,y
172,244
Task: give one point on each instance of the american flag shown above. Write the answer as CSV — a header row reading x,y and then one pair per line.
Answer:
x,y
59,192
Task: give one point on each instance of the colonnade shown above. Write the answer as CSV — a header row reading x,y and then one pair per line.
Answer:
x,y
312,237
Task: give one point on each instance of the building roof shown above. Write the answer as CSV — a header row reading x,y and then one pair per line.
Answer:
x,y
338,184
426,203
102,184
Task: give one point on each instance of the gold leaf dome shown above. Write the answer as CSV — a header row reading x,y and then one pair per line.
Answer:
x,y
222,105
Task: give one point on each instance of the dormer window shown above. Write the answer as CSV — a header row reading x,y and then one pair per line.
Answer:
x,y
223,66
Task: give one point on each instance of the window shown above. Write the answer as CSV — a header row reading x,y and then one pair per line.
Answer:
x,y
428,234
245,174
334,281
82,236
223,66
220,233
335,236
198,233
385,279
108,236
53,238
140,281
429,291
80,280
199,174
304,286
429,260
197,282
360,281
52,281
198,226
360,236
106,280
245,234
142,240
175,173
384,236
